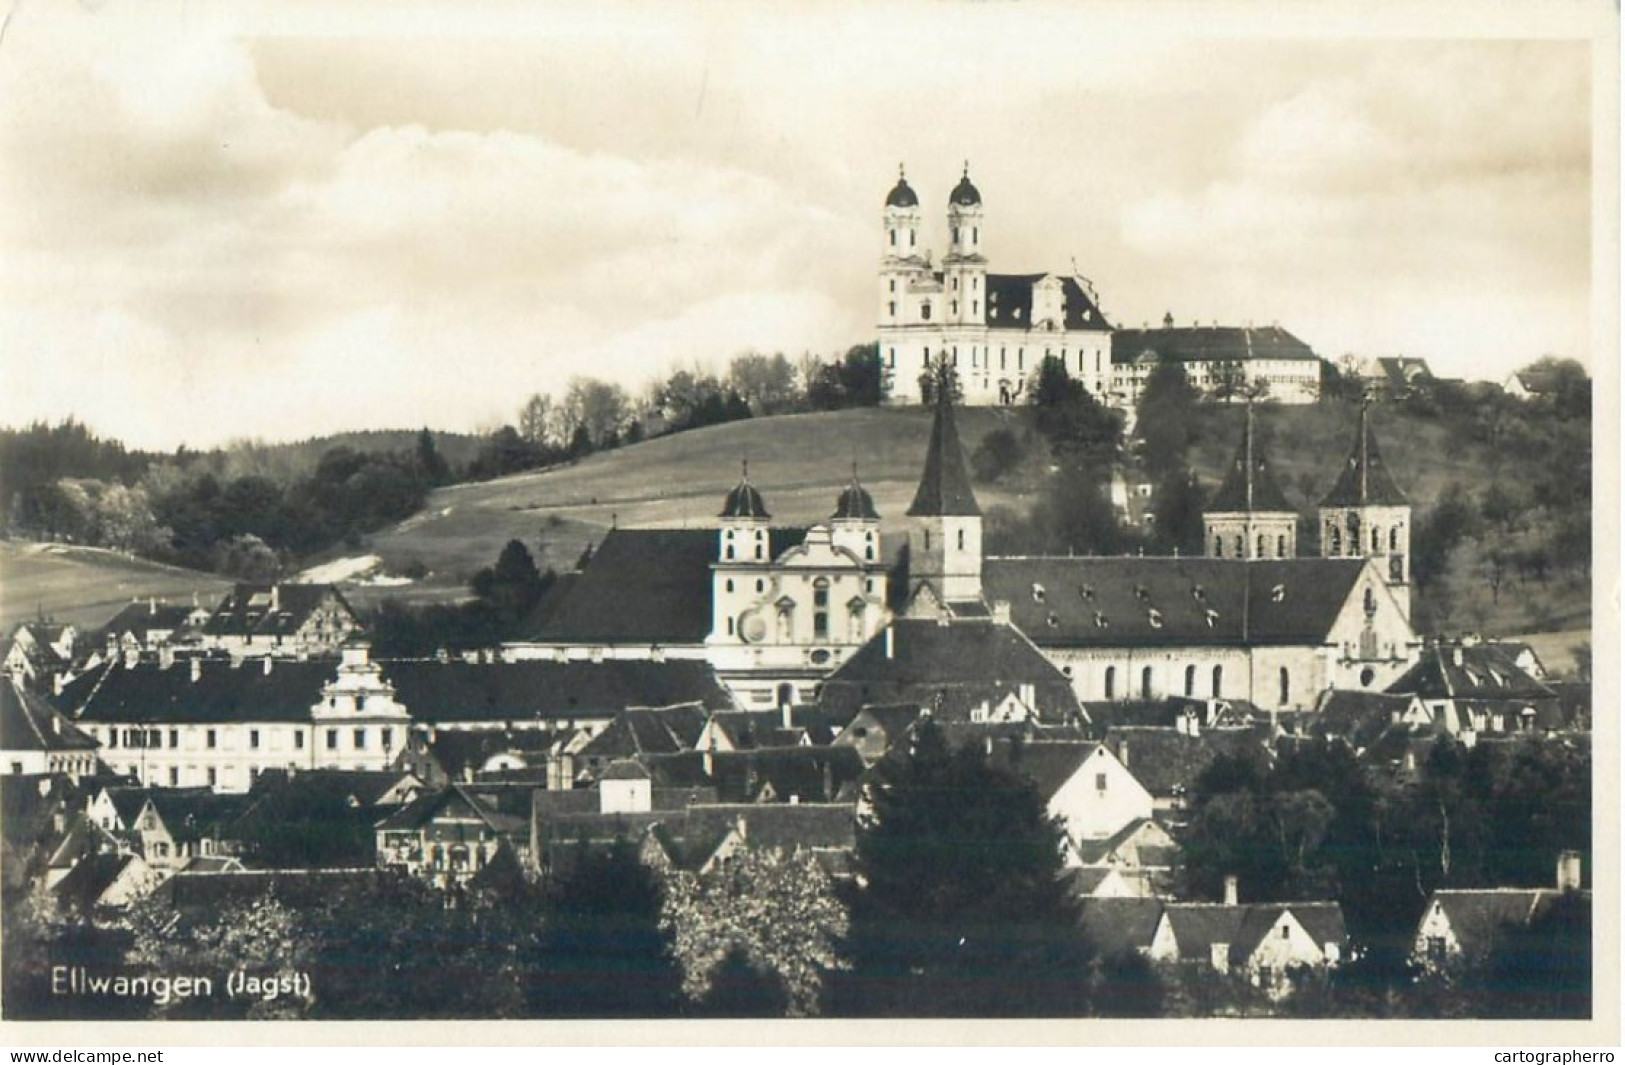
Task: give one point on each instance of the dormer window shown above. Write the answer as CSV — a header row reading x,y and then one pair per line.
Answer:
x,y
1278,593
1100,620
1212,618
1038,593
1086,592
1198,593
1053,621
1155,617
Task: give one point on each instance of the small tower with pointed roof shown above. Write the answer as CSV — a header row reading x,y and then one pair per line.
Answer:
x,y
855,525
1366,515
742,534
1250,517
945,526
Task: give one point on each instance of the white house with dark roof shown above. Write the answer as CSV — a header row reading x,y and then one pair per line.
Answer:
x,y
1217,359
995,330
36,739
284,620
1460,928
1270,944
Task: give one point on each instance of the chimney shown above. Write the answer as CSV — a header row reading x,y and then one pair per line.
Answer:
x,y
197,670
1122,753
1232,892
267,665
707,761
786,718
1455,655
1568,871
1001,612
891,650
1469,738
58,682
152,605
1029,697
276,597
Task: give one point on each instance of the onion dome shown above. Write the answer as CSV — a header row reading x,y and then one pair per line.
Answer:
x,y
855,504
965,194
744,501
901,195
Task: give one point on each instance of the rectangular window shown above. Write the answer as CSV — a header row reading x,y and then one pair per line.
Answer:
x,y
112,738
299,741
387,737
1100,781
210,739
254,739
174,737
211,776
174,776
332,739
360,739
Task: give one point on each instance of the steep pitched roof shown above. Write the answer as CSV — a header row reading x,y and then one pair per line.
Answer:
x,y
1209,343
86,883
1010,303
637,731
29,723
505,810
648,586
776,774
198,813
949,666
1048,764
1120,926
1167,762
149,692
1478,917
1118,602
1479,671
140,618
271,609
538,691
1358,717
1365,480
1248,486
944,489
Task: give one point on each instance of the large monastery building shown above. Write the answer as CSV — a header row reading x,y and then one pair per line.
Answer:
x,y
996,329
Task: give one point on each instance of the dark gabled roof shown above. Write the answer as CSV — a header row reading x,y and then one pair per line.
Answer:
x,y
149,692
206,892
810,774
637,731
365,786
944,489
780,826
1094,851
198,813
1120,926
1167,762
505,810
950,667
1249,487
459,752
140,618
1209,343
1364,480
1010,303
756,728
128,802
1484,671
643,586
893,719
1478,917
539,691
1048,764
271,609
29,723
1357,717
1132,602
86,882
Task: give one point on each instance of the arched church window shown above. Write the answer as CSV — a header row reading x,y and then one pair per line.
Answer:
x,y
1190,681
784,627
925,311
728,552
1218,681
821,609
1376,539
1370,601
1145,683
1393,538
729,585
1218,547
1280,547
854,624
1241,547
1286,686
1111,682
961,539
1336,539
1261,542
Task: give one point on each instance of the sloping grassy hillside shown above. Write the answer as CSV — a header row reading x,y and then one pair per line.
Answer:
x,y
86,586
800,463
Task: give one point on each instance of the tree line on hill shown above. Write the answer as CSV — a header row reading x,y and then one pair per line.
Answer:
x,y
253,511
1525,524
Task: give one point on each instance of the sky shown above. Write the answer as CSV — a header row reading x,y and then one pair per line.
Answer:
x,y
221,222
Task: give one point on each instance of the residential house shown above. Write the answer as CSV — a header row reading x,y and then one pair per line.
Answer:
x,y
146,625
1475,687
106,880
1141,856
1226,362
36,739
1460,928
447,837
874,730
1082,785
789,775
1271,945
282,620
1116,926
178,824
40,652
1168,761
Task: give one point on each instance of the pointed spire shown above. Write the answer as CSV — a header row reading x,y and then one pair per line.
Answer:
x,y
1248,485
1365,480
945,489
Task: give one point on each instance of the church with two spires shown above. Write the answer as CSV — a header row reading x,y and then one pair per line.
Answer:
x,y
779,611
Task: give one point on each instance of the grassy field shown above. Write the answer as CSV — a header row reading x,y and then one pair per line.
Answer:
x,y
800,463
86,586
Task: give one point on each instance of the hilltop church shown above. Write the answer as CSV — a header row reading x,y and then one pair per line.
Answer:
x,y
777,611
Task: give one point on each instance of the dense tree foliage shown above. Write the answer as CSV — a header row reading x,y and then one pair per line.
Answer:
x,y
962,909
